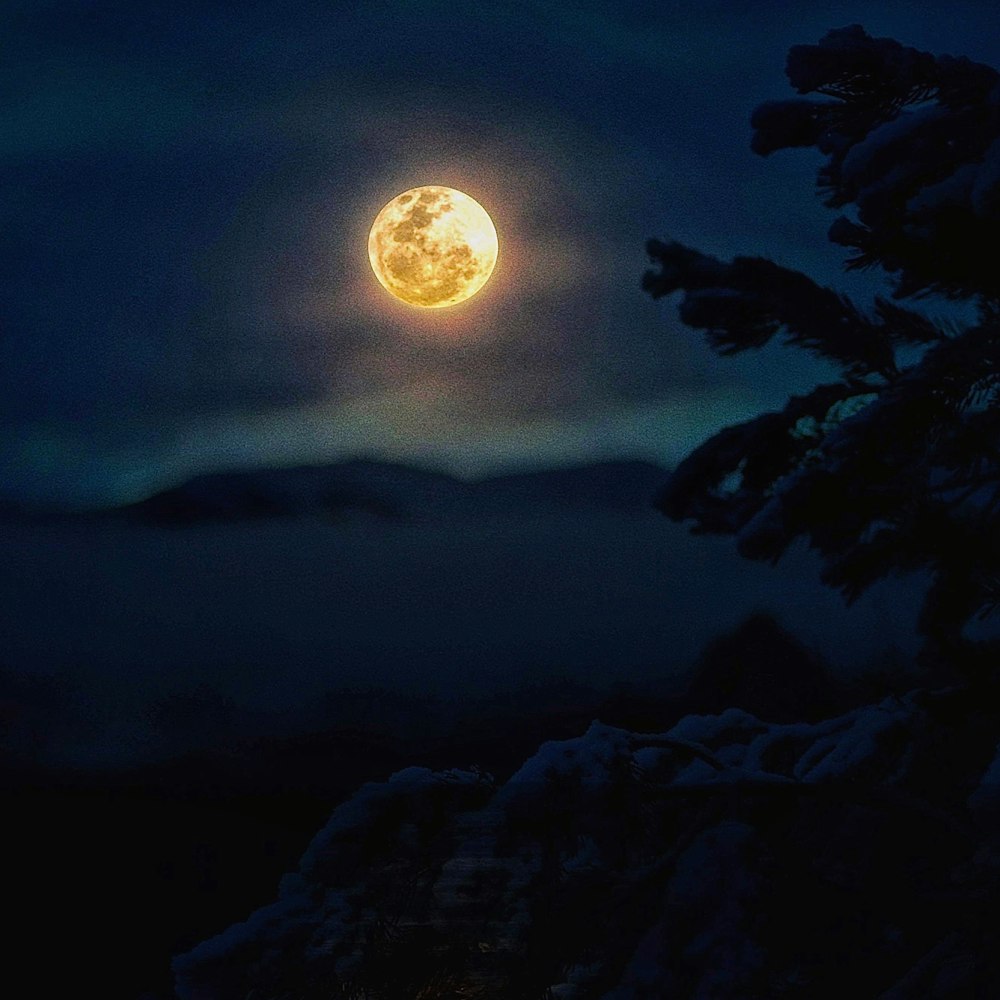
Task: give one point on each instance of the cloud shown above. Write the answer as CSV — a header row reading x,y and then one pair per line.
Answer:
x,y
189,191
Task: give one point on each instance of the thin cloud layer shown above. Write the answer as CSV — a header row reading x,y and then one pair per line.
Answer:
x,y
189,192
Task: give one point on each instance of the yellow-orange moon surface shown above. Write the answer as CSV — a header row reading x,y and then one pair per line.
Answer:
x,y
433,246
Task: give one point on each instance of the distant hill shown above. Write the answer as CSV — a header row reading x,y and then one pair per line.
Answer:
x,y
380,490
236,596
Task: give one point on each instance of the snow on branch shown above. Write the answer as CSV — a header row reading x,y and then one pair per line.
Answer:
x,y
912,141
742,305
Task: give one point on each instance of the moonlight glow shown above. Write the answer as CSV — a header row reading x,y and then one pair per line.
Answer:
x,y
433,246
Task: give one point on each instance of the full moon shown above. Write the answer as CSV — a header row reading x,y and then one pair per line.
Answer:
x,y
433,246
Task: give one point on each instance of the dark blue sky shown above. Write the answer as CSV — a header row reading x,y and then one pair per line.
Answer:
x,y
188,188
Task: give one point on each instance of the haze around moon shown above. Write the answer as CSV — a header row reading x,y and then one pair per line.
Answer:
x,y
433,246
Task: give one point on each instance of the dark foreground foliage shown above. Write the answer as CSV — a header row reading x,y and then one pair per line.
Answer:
x,y
724,859
122,869
895,467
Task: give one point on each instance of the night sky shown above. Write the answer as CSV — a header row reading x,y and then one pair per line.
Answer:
x,y
188,189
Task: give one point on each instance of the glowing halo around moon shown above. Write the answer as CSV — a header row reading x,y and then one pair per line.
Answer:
x,y
433,246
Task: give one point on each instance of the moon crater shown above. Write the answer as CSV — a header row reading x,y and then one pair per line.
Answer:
x,y
433,246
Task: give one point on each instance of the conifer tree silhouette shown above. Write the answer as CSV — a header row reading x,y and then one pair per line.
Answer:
x,y
895,467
